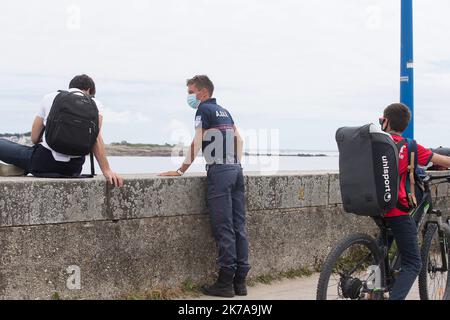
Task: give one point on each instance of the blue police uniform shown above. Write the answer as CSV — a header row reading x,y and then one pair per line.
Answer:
x,y
226,189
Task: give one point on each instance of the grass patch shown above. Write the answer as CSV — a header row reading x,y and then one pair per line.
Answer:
x,y
190,289
55,296
265,279
187,289
290,274
354,256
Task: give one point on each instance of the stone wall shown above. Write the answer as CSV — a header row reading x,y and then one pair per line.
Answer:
x,y
155,231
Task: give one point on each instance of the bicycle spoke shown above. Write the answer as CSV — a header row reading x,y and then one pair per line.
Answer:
x,y
348,272
436,278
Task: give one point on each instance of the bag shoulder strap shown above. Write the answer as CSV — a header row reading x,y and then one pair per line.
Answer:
x,y
412,148
411,144
410,178
91,156
401,143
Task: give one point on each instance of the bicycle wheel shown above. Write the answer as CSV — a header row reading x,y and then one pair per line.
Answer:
x,y
434,283
348,271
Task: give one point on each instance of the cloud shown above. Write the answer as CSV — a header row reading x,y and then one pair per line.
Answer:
x,y
300,66
124,117
179,132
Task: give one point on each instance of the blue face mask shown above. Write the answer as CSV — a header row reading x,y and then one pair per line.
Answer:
x,y
192,101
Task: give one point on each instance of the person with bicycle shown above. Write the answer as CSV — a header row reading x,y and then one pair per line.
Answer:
x,y
395,120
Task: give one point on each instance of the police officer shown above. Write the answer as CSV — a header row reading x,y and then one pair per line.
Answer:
x,y
221,144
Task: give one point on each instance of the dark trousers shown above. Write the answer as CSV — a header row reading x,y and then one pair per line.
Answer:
x,y
404,230
38,160
226,203
16,154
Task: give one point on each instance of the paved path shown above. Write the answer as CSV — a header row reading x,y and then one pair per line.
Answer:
x,y
290,289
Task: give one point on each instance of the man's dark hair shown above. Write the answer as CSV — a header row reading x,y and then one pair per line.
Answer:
x,y
202,81
398,115
83,82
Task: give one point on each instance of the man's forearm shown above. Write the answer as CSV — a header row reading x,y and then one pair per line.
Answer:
x,y
37,130
441,160
192,154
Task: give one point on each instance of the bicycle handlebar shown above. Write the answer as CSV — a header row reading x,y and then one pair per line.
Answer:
x,y
438,175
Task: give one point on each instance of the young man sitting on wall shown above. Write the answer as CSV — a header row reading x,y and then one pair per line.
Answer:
x,y
43,160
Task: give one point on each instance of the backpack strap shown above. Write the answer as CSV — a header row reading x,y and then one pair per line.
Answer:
x,y
401,144
91,156
412,152
410,177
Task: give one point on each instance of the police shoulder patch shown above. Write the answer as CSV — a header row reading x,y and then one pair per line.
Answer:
x,y
198,121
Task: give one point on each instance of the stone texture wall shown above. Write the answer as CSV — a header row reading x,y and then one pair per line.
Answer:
x,y
155,231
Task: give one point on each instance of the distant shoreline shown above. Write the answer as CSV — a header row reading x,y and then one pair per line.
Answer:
x,y
125,149
115,150
165,151
306,155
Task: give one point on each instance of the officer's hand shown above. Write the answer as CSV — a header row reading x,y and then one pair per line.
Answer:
x,y
169,174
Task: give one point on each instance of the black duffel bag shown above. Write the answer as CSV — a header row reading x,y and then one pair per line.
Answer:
x,y
368,170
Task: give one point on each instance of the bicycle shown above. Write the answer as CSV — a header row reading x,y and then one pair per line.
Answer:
x,y
361,267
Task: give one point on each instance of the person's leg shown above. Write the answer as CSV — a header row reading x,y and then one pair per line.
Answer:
x,y
16,154
240,231
405,234
220,181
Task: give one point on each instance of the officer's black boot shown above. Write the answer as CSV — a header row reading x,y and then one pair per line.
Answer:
x,y
223,286
240,286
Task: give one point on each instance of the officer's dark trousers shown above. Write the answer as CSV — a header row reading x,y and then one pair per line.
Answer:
x,y
226,203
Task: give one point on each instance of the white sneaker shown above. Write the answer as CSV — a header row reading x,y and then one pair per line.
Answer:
x,y
8,170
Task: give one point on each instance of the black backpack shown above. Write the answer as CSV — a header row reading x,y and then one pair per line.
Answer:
x,y
368,170
72,125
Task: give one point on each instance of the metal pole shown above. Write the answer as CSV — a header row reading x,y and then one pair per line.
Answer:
x,y
407,63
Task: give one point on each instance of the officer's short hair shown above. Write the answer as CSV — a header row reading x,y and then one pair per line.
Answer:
x,y
201,81
83,82
398,115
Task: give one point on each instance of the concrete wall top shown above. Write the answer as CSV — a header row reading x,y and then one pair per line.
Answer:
x,y
33,201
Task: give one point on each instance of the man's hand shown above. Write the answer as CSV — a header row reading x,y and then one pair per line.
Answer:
x,y
113,178
169,174
441,160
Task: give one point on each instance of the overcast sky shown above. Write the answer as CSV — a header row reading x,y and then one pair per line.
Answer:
x,y
302,67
